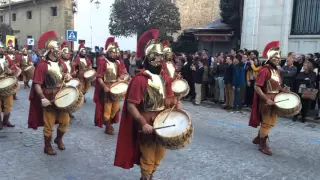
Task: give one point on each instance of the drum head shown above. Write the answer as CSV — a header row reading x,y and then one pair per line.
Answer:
x,y
179,86
8,81
66,100
292,102
73,83
89,73
181,120
119,88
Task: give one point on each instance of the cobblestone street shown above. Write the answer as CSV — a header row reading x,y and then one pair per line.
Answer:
x,y
221,150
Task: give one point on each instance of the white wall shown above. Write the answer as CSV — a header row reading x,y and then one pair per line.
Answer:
x,y
100,22
268,20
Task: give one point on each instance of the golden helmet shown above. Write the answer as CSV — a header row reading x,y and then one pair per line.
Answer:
x,y
48,40
148,44
110,45
272,50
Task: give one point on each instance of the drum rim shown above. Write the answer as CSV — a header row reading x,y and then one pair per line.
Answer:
x,y
287,93
72,101
168,110
9,77
184,92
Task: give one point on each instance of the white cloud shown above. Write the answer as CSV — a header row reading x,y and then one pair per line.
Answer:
x,y
100,22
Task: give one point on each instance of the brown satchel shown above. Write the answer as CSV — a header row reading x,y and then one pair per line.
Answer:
x,y
309,93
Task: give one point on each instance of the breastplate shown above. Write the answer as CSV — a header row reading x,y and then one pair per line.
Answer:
x,y
170,69
68,64
153,99
53,77
110,75
83,64
274,83
24,61
3,65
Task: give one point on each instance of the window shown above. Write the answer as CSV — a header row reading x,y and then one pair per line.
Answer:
x,y
306,17
14,17
29,14
1,19
54,11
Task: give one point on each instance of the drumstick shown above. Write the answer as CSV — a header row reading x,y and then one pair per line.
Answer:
x,y
171,109
162,127
282,100
59,97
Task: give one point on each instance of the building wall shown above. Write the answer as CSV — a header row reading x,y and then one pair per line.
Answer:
x,y
42,19
265,21
197,13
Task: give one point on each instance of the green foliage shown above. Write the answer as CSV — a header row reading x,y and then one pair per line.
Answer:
x,y
129,17
5,29
186,44
230,13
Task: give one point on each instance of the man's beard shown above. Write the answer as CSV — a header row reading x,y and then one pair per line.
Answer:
x,y
272,64
111,58
152,69
82,55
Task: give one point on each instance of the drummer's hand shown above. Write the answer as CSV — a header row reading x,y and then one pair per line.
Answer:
x,y
286,89
9,71
121,77
270,102
45,102
179,76
68,77
147,129
179,106
106,89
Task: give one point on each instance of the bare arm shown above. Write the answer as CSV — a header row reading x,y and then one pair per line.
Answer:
x,y
101,82
260,92
133,110
39,91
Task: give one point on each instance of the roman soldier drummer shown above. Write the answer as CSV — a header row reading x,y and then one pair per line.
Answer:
x,y
66,58
81,64
7,68
14,58
50,75
168,64
267,86
149,93
25,62
109,73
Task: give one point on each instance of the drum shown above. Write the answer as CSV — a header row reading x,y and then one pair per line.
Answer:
x,y
69,99
178,136
9,86
74,82
287,104
118,91
90,75
180,87
29,71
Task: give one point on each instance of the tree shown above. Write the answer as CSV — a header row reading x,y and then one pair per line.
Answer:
x,y
5,30
129,17
231,14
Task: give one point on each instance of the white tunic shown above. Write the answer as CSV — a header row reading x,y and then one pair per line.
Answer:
x,y
156,82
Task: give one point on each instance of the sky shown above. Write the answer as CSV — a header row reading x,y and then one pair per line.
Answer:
x,y
100,21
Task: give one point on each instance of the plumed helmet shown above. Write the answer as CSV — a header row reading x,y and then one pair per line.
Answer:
x,y
166,47
110,45
64,46
117,47
48,41
272,50
81,46
148,44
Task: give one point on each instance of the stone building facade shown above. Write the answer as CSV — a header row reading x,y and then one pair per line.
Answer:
x,y
295,23
197,13
30,18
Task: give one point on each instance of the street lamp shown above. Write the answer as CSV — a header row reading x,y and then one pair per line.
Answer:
x,y
97,3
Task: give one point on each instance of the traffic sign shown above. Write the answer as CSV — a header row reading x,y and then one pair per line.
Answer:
x,y
72,35
30,42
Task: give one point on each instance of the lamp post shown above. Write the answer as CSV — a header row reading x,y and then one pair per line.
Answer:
x,y
97,3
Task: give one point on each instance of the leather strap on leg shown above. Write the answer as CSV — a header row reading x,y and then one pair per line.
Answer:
x,y
6,121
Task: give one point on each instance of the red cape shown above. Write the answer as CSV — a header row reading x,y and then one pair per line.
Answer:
x,y
255,117
35,118
128,152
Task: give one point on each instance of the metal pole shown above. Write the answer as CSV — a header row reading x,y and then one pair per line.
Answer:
x,y
91,23
10,13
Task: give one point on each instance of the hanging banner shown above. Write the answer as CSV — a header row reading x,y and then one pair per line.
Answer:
x,y
10,40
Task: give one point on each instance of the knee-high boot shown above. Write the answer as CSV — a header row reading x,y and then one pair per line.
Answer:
x,y
6,121
48,149
263,146
256,140
109,128
58,140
